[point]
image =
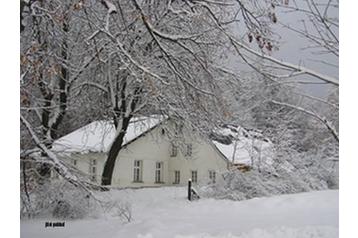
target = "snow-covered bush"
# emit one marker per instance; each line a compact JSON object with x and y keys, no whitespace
{"x":57,"y":199}
{"x":300,"y":174}
{"x":116,"y":208}
{"x":60,"y":199}
{"x":72,"y":204}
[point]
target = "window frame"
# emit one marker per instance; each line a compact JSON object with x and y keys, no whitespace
{"x":176,"y":178}
{"x":173,"y":150}
{"x":158,"y":174}
{"x":93,"y":170}
{"x":196,"y":176}
{"x":138,"y":171}
{"x":179,"y":128}
{"x":212,"y":176}
{"x":189,"y":150}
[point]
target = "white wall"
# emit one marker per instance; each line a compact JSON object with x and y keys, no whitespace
{"x":83,"y":162}
{"x":154,"y":147}
{"x":204,"y":158}
{"x":150,"y":148}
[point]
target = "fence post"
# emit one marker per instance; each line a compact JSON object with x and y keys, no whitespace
{"x":189,"y":189}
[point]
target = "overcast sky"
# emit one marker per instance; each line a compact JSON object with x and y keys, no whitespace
{"x":292,"y":50}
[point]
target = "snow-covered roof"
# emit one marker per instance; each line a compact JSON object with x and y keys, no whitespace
{"x":237,"y":144}
{"x":241,"y":146}
{"x":99,"y":135}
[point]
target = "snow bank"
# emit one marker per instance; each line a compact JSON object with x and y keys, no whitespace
{"x":280,"y":232}
{"x":165,"y":213}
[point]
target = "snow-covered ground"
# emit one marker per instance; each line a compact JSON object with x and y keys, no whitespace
{"x":165,"y":213}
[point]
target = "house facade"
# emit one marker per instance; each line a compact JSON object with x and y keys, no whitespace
{"x":152,"y":155}
{"x":149,"y":156}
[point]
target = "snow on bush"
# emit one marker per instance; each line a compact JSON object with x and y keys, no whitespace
{"x":117,"y":208}
{"x":60,"y":199}
{"x":57,"y":199}
{"x":299,"y":174}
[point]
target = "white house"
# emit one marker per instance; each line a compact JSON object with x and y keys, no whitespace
{"x":149,"y":156}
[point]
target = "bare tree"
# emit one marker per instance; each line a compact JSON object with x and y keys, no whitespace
{"x":53,"y":58}
{"x":159,"y":60}
{"x":318,"y":25}
{"x":157,"y":57}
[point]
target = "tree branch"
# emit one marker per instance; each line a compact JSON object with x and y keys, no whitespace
{"x":322,"y":119}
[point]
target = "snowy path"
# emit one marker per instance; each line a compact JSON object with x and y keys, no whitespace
{"x":165,"y":213}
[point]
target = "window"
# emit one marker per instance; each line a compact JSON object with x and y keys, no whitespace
{"x":176,"y":177}
{"x":212,"y":176}
{"x":173,"y":150}
{"x":189,"y":150}
{"x":92,"y":169}
{"x":194,"y":176}
{"x":137,"y":173}
{"x":159,"y":172}
{"x":179,"y":128}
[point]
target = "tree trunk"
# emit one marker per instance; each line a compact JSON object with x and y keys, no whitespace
{"x":22,"y":7}
{"x":113,"y":153}
{"x":50,"y":126}
{"x":118,"y":141}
